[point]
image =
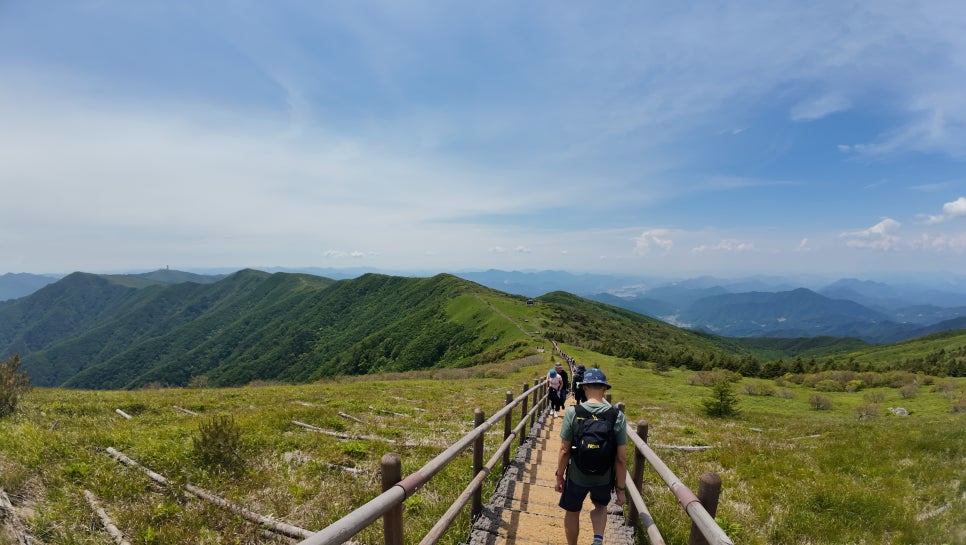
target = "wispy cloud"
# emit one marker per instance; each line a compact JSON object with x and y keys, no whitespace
{"x":729,"y":245}
{"x":954,"y":243}
{"x":819,"y":107}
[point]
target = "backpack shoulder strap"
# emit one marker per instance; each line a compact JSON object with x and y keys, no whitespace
{"x":580,"y":414}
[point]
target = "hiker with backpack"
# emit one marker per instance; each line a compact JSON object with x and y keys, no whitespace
{"x":559,"y":368}
{"x":555,"y":387}
{"x":579,"y":396}
{"x":592,"y":458}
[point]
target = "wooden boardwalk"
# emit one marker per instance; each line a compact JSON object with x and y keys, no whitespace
{"x":524,"y":509}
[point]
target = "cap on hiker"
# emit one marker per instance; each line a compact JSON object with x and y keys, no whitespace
{"x":558,"y":365}
{"x":581,"y":367}
{"x":553,"y":374}
{"x":594,"y":376}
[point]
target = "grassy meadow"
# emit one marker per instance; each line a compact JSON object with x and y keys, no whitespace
{"x":791,"y":474}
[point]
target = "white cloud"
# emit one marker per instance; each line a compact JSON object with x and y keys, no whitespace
{"x":878,"y":236}
{"x":803,"y":246}
{"x":653,"y":239}
{"x":497,"y":250}
{"x":726,"y":245}
{"x":523,"y":250}
{"x":819,"y":107}
{"x":955,"y":243}
{"x":951,"y":210}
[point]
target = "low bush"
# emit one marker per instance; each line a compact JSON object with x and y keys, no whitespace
{"x":909,"y":391}
{"x":874,"y":397}
{"x":218,"y":443}
{"x":868,"y":411}
{"x":758,"y":389}
{"x":828,"y":385}
{"x":820,"y":402}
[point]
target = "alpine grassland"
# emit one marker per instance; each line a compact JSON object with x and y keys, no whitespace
{"x":850,"y":471}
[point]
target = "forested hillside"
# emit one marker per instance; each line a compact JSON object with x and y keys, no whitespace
{"x":110,"y":332}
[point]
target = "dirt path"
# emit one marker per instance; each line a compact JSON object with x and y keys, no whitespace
{"x":504,"y":315}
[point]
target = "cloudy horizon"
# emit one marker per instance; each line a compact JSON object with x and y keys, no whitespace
{"x":643,"y":139}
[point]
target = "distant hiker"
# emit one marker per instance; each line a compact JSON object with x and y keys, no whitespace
{"x":592,"y":458}
{"x":578,"y":391}
{"x":559,"y":368}
{"x":555,"y":385}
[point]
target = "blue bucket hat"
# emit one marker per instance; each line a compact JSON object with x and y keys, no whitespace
{"x":553,"y":374}
{"x":595,"y":376}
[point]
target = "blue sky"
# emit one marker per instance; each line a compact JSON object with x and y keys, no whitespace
{"x":651,"y":138}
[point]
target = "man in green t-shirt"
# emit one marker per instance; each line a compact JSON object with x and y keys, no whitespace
{"x":573,"y":483}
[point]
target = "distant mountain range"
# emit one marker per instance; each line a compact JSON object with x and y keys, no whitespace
{"x":755,"y":306}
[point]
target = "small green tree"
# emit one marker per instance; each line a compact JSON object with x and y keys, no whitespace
{"x":723,"y":401}
{"x":14,"y":383}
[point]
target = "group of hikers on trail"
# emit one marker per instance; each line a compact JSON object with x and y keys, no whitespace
{"x":593,"y":448}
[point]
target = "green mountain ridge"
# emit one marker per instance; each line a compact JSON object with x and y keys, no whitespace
{"x":114,"y":331}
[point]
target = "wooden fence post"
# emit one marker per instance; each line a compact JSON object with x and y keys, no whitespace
{"x":537,"y":394}
{"x":507,"y":429}
{"x":709,"y":489}
{"x":478,"y":462}
{"x":637,"y":477}
{"x":523,"y":416}
{"x":392,"y":521}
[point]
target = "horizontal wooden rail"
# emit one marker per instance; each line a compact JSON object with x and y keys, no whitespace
{"x":444,"y":523}
{"x":654,"y":536}
{"x":702,"y":520}
{"x":353,"y":523}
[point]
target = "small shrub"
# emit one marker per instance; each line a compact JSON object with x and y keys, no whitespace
{"x":77,"y":471}
{"x":14,"y":383}
{"x":355,"y":450}
{"x":828,"y":385}
{"x":874,"y":397}
{"x":785,"y":393}
{"x":959,"y":406}
{"x":820,"y":402}
{"x":868,"y":411}
{"x":945,"y":386}
{"x":689,"y":430}
{"x":218,"y":443}
{"x":854,"y":385}
{"x":909,"y":391}
{"x":723,"y":401}
{"x":758,"y":389}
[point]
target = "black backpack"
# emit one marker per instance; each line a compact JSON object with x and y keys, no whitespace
{"x":595,"y":444}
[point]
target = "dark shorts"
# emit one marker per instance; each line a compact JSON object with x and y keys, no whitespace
{"x":572,"y":498}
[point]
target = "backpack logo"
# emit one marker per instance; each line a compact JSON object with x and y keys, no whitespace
{"x":595,"y":443}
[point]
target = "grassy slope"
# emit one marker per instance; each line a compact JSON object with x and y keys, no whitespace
{"x":805,"y":476}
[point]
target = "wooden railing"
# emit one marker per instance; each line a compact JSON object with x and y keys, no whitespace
{"x":388,"y":505}
{"x":700,"y":507}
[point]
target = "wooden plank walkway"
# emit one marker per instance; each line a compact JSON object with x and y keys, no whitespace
{"x":524,"y":510}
